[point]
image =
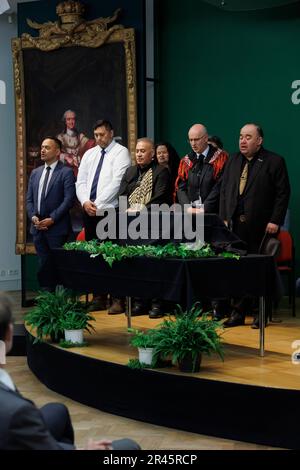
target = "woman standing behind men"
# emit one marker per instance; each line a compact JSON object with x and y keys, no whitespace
{"x":200,"y":172}
{"x":166,"y":156}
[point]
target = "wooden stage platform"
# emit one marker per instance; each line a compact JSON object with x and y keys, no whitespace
{"x":246,"y":397}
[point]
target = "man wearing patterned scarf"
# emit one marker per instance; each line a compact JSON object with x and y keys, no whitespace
{"x":144,"y":184}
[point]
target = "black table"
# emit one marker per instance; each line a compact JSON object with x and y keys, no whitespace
{"x":181,"y":281}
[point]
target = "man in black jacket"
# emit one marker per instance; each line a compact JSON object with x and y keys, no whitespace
{"x":200,"y":172}
{"x":254,"y":197}
{"x":199,"y":183}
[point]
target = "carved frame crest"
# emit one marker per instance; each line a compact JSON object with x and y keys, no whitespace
{"x":69,"y":30}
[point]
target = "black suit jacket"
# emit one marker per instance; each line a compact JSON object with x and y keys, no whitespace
{"x":162,"y":190}
{"x":201,"y":184}
{"x":22,"y":426}
{"x":267,"y":192}
{"x":60,"y":198}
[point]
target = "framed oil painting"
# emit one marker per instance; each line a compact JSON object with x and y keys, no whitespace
{"x":66,"y":78}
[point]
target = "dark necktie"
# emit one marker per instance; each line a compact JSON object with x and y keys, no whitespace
{"x":93,"y":194}
{"x":43,"y":195}
{"x":244,"y":178}
{"x":199,"y":164}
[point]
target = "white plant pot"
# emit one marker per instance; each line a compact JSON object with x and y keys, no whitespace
{"x":146,"y":355}
{"x":74,"y":336}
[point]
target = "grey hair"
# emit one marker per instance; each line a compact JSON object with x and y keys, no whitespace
{"x":65,"y":114}
{"x":146,"y":139}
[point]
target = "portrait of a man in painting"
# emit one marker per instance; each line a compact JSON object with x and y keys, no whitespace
{"x":74,"y":73}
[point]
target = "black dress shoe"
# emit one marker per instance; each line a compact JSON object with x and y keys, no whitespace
{"x":99,"y":303}
{"x":255,"y":323}
{"x":138,"y":309}
{"x":235,"y":319}
{"x":156,"y":312}
{"x":117,"y":306}
{"x":217,"y":316}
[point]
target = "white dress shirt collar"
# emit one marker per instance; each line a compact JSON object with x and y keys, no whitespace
{"x":52,"y":166}
{"x":205,"y":152}
{"x":109,"y":147}
{"x":6,"y":380}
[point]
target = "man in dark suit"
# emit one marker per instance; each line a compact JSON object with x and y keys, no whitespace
{"x":198,"y":184}
{"x":50,"y":196}
{"x":200,"y":172}
{"x":254,"y":197}
{"x":25,"y":427}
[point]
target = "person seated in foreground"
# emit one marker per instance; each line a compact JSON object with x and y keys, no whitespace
{"x":25,"y":427}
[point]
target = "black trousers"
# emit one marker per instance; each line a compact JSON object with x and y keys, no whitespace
{"x":58,"y":422}
{"x":44,"y":243}
{"x":249,"y":305}
{"x":246,"y":233}
{"x":90,"y":226}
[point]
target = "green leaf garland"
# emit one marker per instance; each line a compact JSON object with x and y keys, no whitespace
{"x":112,"y":252}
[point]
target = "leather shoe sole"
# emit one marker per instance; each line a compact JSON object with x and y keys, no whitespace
{"x":231,"y":322}
{"x":153,"y":314}
{"x":138,"y":310}
{"x":97,"y":306}
{"x":115,"y":312}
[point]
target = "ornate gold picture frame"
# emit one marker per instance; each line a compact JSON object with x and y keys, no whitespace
{"x":95,"y":45}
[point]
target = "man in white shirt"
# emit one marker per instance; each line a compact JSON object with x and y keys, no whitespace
{"x":98,"y":182}
{"x":100,"y":174}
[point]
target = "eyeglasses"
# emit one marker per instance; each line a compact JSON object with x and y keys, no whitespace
{"x":197,"y":139}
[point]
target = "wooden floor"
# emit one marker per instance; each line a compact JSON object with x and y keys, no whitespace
{"x":242,"y":364}
{"x":91,"y":423}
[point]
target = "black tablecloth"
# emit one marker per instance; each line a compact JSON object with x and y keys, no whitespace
{"x":181,"y":281}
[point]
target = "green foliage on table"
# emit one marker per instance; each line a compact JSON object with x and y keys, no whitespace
{"x":188,"y":334}
{"x":112,"y":252}
{"x":227,"y":254}
{"x":53,"y":310}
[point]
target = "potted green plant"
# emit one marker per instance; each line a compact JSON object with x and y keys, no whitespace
{"x":145,"y":341}
{"x":74,"y":322}
{"x":49,"y":311}
{"x":187,"y":336}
